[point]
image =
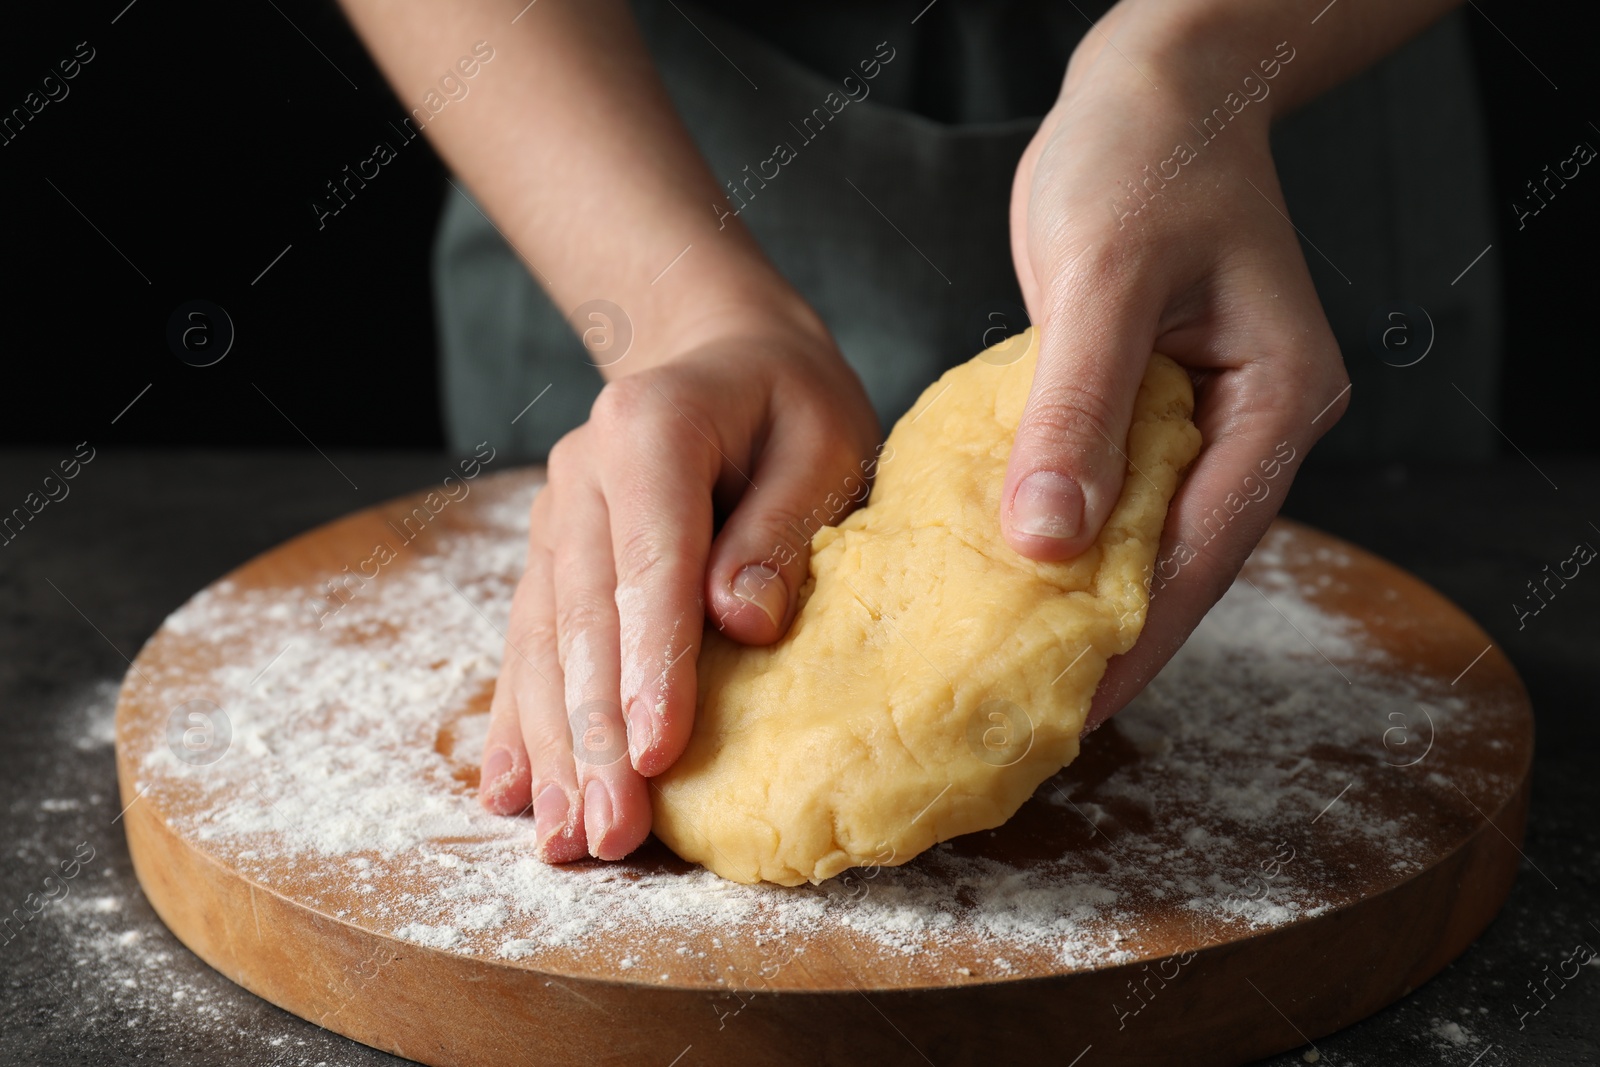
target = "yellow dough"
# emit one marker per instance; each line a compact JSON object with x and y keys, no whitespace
{"x":933,"y":676}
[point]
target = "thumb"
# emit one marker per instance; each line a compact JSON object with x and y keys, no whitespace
{"x":1069,"y":458}
{"x":760,"y":559}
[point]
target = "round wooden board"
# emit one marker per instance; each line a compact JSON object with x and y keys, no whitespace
{"x":1193,"y":900}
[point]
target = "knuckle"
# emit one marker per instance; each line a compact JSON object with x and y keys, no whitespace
{"x":1096,"y":273}
{"x":578,"y":615}
{"x":1071,"y":415}
{"x":635,"y":408}
{"x":622,"y":402}
{"x":643,"y":554}
{"x":1110,"y":260}
{"x":536,"y":636}
{"x":563,"y":457}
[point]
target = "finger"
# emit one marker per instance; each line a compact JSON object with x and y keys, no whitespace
{"x":616,"y":809}
{"x":1069,"y":459}
{"x":504,"y":784}
{"x":661,"y":525}
{"x":660,"y":512}
{"x":1257,"y":424}
{"x":543,"y":740}
{"x":759,"y":560}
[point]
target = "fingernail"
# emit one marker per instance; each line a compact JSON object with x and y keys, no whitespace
{"x":550,"y":809}
{"x":1047,"y":504}
{"x":760,"y":585}
{"x":496,"y":776}
{"x":641,"y":731}
{"x":596,"y":814}
{"x":496,"y":765}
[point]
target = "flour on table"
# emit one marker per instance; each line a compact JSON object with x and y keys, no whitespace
{"x":351,"y":743}
{"x":1450,"y":1034}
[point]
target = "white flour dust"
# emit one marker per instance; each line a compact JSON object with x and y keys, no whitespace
{"x":346,"y":776}
{"x":125,"y":984}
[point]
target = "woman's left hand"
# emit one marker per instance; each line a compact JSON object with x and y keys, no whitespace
{"x":1132,"y":232}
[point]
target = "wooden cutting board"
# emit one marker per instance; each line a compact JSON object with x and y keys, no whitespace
{"x":1318,"y":806}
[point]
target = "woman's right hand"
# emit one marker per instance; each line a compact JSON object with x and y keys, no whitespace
{"x":571,"y":144}
{"x":759,"y":419}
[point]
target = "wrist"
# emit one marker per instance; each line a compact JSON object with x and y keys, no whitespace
{"x":637,"y":303}
{"x":747,"y":308}
{"x":1236,"y":38}
{"x":720,"y":298}
{"x":1193,"y":56}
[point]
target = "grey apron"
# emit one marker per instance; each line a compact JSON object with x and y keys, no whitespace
{"x":893,"y":224}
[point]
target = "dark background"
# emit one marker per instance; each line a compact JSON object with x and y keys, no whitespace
{"x":197,"y":138}
{"x":195,"y":142}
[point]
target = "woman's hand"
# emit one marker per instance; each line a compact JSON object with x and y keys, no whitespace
{"x":571,"y":144}
{"x":758,"y":419}
{"x":1148,"y":219}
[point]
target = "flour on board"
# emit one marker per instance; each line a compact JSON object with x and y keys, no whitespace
{"x":346,"y":777}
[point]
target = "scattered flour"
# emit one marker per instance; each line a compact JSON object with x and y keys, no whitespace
{"x":432,"y":936}
{"x":349,"y":783}
{"x":99,"y":957}
{"x":115,"y":981}
{"x":1451,"y":1034}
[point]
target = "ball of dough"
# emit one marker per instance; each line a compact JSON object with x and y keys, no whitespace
{"x":933,"y":676}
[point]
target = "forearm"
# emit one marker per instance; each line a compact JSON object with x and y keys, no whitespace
{"x":1207,"y":46}
{"x":570,"y":143}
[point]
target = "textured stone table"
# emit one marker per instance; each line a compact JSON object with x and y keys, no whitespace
{"x":94,"y":978}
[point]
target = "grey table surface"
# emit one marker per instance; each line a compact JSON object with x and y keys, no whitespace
{"x":96,"y":979}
